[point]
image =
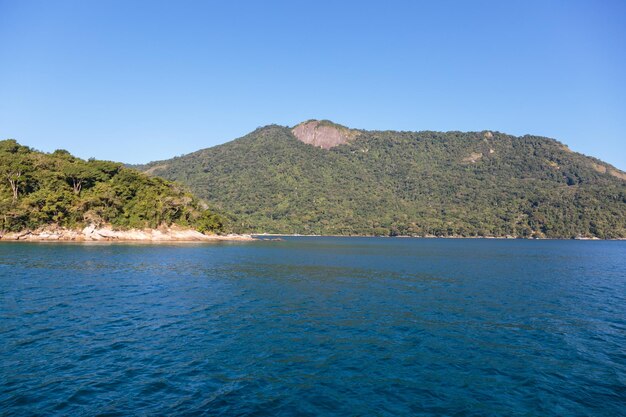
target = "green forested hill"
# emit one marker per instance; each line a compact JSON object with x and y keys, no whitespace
{"x":39,"y":189}
{"x":406,"y":183}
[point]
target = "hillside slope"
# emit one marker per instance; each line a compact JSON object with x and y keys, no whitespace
{"x":405,"y":183}
{"x":41,"y":190}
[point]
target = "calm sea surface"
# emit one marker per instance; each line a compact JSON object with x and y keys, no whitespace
{"x":314,"y":326}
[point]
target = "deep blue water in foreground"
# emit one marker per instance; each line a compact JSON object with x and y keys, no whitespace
{"x":314,"y":326}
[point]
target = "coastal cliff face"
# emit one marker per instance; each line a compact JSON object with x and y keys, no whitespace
{"x":108,"y":234}
{"x":323,"y":134}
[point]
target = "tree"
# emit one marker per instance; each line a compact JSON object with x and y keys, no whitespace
{"x":15,"y":174}
{"x":14,"y":165}
{"x":80,"y":174}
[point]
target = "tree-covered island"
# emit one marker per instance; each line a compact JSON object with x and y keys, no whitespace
{"x":57,"y":190}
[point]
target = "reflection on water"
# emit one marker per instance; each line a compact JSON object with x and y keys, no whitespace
{"x":314,"y":326}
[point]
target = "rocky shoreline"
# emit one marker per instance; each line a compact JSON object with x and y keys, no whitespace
{"x":108,"y":234}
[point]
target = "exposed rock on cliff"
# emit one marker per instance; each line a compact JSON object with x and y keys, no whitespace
{"x":323,"y":134}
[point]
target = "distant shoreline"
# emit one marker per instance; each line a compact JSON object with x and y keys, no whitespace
{"x":175,"y":234}
{"x":261,"y":235}
{"x":108,"y":234}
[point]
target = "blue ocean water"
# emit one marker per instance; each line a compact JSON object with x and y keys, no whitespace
{"x":314,"y":327}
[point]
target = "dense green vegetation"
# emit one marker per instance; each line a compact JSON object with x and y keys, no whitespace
{"x":38,"y":189}
{"x":407,"y":183}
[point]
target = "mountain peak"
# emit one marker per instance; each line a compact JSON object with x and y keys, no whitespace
{"x":323,"y":133}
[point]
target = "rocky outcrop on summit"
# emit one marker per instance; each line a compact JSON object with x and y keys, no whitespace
{"x":323,"y":134}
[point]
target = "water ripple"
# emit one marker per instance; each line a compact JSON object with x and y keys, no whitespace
{"x":314,"y":326}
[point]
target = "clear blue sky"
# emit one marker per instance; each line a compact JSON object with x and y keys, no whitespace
{"x":136,"y":81}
